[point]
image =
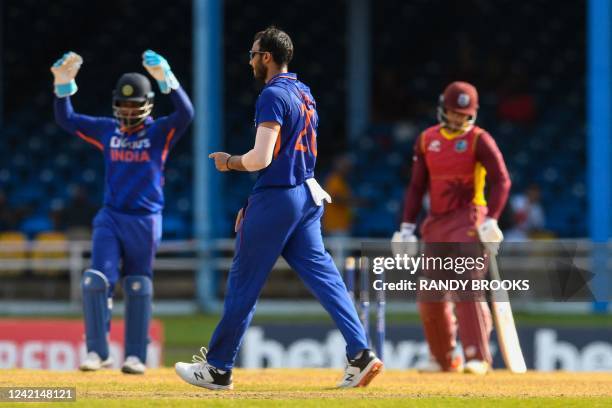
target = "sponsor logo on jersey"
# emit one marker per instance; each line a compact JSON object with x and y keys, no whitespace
{"x":125,"y":143}
{"x":130,"y":156}
{"x":125,"y":150}
{"x":434,"y":146}
{"x":461,"y":146}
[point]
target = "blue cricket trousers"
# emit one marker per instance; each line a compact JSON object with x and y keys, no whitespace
{"x":287,"y":222}
{"x":132,"y":239}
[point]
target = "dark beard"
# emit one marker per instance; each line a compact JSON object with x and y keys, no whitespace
{"x":261,"y":72}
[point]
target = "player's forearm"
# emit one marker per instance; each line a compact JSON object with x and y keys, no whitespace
{"x":498,"y":179}
{"x":498,"y":195}
{"x":235,"y":163}
{"x":260,"y":156}
{"x":250,"y":161}
{"x":413,"y":202}
{"x":64,"y":113}
{"x":413,"y":198}
{"x":183,"y":108}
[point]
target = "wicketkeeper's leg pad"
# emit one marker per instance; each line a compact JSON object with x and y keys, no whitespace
{"x":94,"y":286}
{"x":138,"y":290}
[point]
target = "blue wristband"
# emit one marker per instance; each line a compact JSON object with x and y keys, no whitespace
{"x":163,"y":87}
{"x":68,"y":89}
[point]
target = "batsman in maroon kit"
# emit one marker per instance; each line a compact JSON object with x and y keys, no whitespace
{"x":452,"y":162}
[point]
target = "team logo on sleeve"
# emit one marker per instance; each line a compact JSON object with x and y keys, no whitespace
{"x":434,"y":146}
{"x":461,"y":146}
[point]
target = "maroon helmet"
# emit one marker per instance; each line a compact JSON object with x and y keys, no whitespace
{"x":460,"y":97}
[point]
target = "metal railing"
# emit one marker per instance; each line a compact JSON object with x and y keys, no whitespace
{"x":69,"y":259}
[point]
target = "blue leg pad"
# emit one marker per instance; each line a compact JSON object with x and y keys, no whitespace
{"x":94,"y":286}
{"x":138,"y":291}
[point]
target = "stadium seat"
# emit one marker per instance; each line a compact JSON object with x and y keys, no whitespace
{"x":13,"y":253}
{"x":50,"y":254}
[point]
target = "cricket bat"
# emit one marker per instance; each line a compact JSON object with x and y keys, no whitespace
{"x":504,"y":326}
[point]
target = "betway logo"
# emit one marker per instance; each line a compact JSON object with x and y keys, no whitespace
{"x":124,"y":143}
{"x":549,"y":352}
{"x":259,"y":352}
{"x":552,"y":354}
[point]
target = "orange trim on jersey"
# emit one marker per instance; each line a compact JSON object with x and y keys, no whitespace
{"x":132,"y":130}
{"x":277,"y":144}
{"x":167,"y":145}
{"x":90,"y":140}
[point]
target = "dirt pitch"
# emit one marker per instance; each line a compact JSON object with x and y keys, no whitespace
{"x":314,"y":387}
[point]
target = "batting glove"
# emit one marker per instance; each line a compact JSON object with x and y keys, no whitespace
{"x":404,"y":241}
{"x":64,"y":71}
{"x":490,"y":235}
{"x":159,"y":69}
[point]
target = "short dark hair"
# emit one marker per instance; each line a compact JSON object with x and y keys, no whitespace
{"x":276,"y":42}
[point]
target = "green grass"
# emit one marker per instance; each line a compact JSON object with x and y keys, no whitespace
{"x":368,"y":403}
{"x":314,"y":388}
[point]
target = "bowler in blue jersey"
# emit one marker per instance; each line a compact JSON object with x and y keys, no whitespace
{"x":282,"y":218}
{"x":127,"y":230}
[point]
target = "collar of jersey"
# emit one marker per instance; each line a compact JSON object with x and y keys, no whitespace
{"x":282,"y":75}
{"x":450,"y":135}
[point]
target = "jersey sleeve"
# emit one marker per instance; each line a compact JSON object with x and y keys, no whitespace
{"x":271,"y":107}
{"x":177,"y":122}
{"x":498,"y":180}
{"x":413,"y":197}
{"x":89,"y":128}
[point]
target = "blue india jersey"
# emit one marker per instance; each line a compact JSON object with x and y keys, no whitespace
{"x":288,"y":102}
{"x":134,"y":161}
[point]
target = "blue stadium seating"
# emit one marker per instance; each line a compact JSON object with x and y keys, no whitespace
{"x":40,"y":162}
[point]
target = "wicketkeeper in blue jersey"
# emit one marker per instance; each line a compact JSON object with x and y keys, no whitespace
{"x":282,"y":217}
{"x":127,"y":230}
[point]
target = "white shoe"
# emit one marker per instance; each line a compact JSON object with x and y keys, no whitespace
{"x":133,"y":365}
{"x":432,"y":366}
{"x":202,"y":374}
{"x":360,"y":371}
{"x":477,"y":367}
{"x":93,"y":362}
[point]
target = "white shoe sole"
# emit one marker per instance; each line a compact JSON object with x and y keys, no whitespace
{"x":130,"y":370}
{"x":105,"y":364}
{"x":368,"y":374}
{"x":209,"y":386}
{"x":476,"y":371}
